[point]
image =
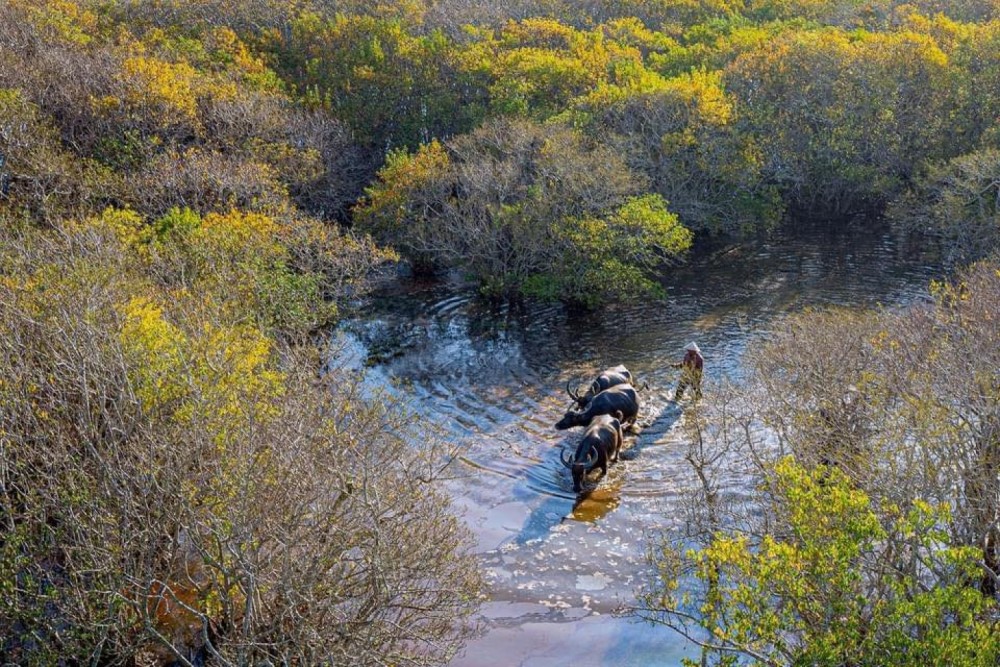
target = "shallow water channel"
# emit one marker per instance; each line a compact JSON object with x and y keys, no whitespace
{"x":494,"y":377}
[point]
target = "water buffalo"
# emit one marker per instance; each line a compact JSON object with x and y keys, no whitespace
{"x":600,"y":445}
{"x":608,"y":378}
{"x":620,"y":398}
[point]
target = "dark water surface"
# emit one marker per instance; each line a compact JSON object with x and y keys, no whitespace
{"x":560,"y":564}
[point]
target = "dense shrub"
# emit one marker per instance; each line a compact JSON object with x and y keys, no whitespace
{"x":684,"y":134}
{"x":39,"y":179}
{"x":957,"y":203}
{"x":204,"y":181}
{"x":843,"y":121}
{"x":525,"y":208}
{"x":159,"y":117}
{"x":177,"y":485}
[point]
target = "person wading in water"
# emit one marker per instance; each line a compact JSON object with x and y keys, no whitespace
{"x":691,"y":371}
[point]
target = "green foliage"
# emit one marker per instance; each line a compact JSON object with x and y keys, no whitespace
{"x":828,"y":107}
{"x":956,"y":202}
{"x":139,"y":115}
{"x":537,"y":66}
{"x":60,"y":19}
{"x":803,"y":592}
{"x":844,"y":118}
{"x":281,"y":274}
{"x":525,"y":209}
{"x":176,"y":221}
{"x":165,"y":168}
{"x":400,"y":203}
{"x":649,"y":230}
{"x":610,"y":259}
{"x":395,"y":88}
{"x":682,"y":133}
{"x":877,"y":543}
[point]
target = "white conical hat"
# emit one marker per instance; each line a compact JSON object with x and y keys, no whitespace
{"x":692,"y":347}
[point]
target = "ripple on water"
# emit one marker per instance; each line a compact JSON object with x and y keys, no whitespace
{"x":494,"y":378}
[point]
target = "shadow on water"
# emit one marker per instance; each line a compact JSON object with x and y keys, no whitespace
{"x":545,"y":488}
{"x":550,"y":480}
{"x":659,"y":419}
{"x":539,"y":522}
{"x":601,"y":496}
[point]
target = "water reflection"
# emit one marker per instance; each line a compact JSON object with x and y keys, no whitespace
{"x":594,"y":504}
{"x":495,"y":376}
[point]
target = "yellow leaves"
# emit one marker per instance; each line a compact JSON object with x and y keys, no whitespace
{"x":883,"y":341}
{"x":167,"y":93}
{"x":880,"y":340}
{"x":632,"y":79}
{"x":812,"y":584}
{"x":19,"y":283}
{"x":538,"y":66}
{"x":225,"y":257}
{"x":239,"y":233}
{"x":695,"y":101}
{"x":704,"y":90}
{"x":156,"y":351}
{"x":217,"y":376}
{"x":632,"y":31}
{"x":923,"y":519}
{"x":907,"y":47}
{"x":826,"y":492}
{"x":127,"y":226}
{"x":403,"y":175}
{"x":225,"y":42}
{"x":530,"y":78}
{"x":364,"y":73}
{"x":236,"y":381}
{"x":545,"y":33}
{"x":732,"y":551}
{"x":428,"y":161}
{"x":68,"y":20}
{"x":250,"y":266}
{"x":165,"y":87}
{"x":648,"y":221}
{"x":105,"y":104}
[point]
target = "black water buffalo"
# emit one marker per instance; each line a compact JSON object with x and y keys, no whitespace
{"x":608,"y":378}
{"x":600,"y":445}
{"x":620,"y":398}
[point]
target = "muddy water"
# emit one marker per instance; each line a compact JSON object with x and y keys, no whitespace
{"x":559,"y":564}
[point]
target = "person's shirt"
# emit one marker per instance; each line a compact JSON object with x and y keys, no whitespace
{"x":693,"y":360}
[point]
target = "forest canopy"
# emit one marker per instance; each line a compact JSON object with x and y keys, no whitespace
{"x":734,"y":114}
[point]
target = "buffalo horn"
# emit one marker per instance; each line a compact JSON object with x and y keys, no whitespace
{"x":591,"y":457}
{"x":568,"y":462}
{"x":576,"y":396}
